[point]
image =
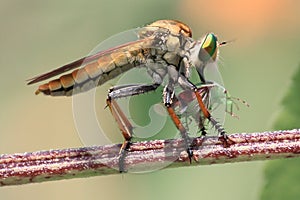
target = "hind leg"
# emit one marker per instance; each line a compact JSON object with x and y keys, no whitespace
{"x":122,"y":121}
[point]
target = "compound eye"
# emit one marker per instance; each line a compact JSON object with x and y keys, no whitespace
{"x":209,"y":48}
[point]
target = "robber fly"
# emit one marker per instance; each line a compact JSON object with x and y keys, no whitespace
{"x":166,"y":49}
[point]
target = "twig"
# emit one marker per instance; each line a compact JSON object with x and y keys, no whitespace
{"x":43,"y":166}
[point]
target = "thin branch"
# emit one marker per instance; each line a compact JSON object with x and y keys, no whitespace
{"x":43,"y":166}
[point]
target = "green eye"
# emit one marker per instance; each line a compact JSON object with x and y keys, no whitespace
{"x":209,"y":48}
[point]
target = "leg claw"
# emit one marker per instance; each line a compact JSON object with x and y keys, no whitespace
{"x":226,"y":141}
{"x":190,"y":154}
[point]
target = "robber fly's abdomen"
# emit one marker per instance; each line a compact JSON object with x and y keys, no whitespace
{"x":95,"y":73}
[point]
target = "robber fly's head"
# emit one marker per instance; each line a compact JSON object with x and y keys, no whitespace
{"x":205,"y":50}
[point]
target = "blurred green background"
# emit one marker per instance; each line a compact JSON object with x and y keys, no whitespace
{"x":282,"y":176}
{"x":37,"y":36}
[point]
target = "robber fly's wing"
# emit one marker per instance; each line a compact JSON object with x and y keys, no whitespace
{"x":85,"y":60}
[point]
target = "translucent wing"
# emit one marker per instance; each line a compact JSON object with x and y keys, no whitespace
{"x":80,"y":62}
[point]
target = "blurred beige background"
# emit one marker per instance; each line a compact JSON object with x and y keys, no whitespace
{"x":37,"y":36}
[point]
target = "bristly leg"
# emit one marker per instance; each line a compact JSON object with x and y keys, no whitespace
{"x":168,"y":96}
{"x":226,"y":141}
{"x":122,"y":121}
{"x":203,"y":131}
{"x":186,"y":84}
{"x":125,"y":127}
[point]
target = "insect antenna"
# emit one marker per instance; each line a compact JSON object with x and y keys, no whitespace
{"x":226,"y":42}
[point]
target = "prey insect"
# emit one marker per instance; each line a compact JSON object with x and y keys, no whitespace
{"x":168,"y":52}
{"x":213,"y":96}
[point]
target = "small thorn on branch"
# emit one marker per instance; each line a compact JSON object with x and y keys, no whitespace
{"x":23,"y":168}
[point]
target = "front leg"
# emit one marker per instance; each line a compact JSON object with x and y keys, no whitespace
{"x":186,"y":84}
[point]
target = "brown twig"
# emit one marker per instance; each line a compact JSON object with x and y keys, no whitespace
{"x":43,"y":166}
